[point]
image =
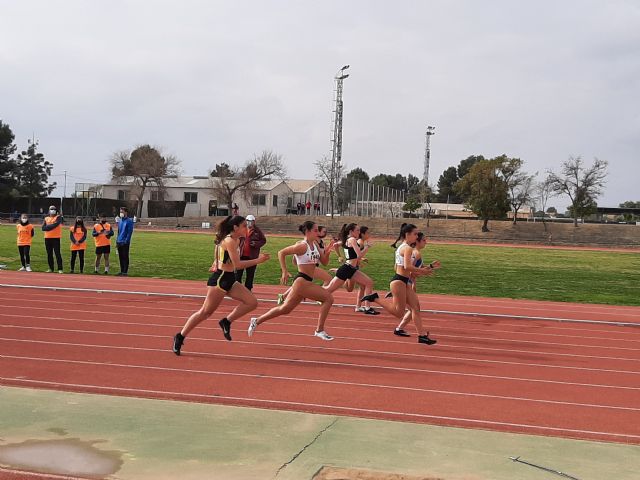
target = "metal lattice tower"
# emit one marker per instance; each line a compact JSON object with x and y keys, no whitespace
{"x":336,"y":140}
{"x":427,"y":153}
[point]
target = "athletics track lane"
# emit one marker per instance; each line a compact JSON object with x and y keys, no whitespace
{"x":549,"y":378}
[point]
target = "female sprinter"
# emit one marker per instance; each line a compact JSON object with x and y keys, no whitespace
{"x":349,"y":235}
{"x":307,"y":256}
{"x":421,"y":242}
{"x":223,"y":280}
{"x":318,"y":273}
{"x":403,"y":296}
{"x":363,"y":243}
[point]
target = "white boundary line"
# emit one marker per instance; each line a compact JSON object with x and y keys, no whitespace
{"x":443,"y":312}
{"x":276,"y":403}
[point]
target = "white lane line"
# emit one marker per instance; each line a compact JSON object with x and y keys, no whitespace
{"x":355,"y":339}
{"x":441,"y":312}
{"x":324,"y":382}
{"x":369,"y":411}
{"x":321,"y":350}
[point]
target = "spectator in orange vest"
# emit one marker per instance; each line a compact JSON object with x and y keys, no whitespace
{"x":52,"y":228}
{"x":25,"y":234}
{"x":102,"y":233}
{"x":78,"y":237}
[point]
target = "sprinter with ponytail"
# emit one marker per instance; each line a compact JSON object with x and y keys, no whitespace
{"x":223,"y":280}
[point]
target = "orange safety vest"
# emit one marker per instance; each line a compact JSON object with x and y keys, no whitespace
{"x":56,"y":232}
{"x":24,"y":234}
{"x":78,"y":234}
{"x":102,"y":240}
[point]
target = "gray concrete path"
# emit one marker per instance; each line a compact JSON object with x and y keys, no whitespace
{"x":102,"y":436}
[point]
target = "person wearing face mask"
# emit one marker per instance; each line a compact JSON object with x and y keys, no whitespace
{"x":25,"y":234}
{"x":123,"y":241}
{"x":102,"y":233}
{"x":250,"y":250}
{"x":78,"y":237}
{"x":52,"y":228}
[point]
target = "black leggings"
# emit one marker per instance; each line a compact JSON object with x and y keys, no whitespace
{"x":25,"y":257}
{"x":123,"y":256}
{"x":79,"y":253}
{"x":53,"y":246}
{"x":251,"y":273}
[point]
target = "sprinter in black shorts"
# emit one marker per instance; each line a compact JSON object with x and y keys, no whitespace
{"x":223,"y":280}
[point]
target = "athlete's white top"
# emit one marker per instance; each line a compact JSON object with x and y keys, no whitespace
{"x":400,"y":255}
{"x":310,"y":256}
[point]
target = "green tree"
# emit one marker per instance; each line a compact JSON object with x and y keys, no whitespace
{"x":519,"y":184}
{"x":581,"y":184}
{"x":144,"y":167}
{"x":8,"y":165}
{"x":358,"y":174}
{"x":446,"y":182}
{"x":222,"y":170}
{"x":33,"y":173}
{"x":485,"y":190}
{"x":465,"y":165}
{"x":412,"y":204}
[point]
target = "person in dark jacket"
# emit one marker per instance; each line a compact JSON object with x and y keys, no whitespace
{"x":250,"y":250}
{"x":123,"y":241}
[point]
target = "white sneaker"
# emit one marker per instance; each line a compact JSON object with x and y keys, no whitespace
{"x":22,"y":269}
{"x":253,"y":324}
{"x":60,"y":271}
{"x":280,"y":299}
{"x":361,"y":309}
{"x":323,"y":335}
{"x":29,"y":268}
{"x":49,"y":271}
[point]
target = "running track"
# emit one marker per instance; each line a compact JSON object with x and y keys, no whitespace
{"x":500,"y":364}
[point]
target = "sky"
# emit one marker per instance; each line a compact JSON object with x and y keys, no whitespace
{"x":220,"y":81}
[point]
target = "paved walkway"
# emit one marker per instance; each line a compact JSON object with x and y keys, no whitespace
{"x":128,"y":438}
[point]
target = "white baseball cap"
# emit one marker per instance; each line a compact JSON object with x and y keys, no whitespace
{"x":251,"y":218}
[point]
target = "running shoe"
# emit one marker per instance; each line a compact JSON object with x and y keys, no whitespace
{"x":371,"y":311}
{"x":253,"y":324}
{"x":49,"y":271}
{"x":60,"y":271}
{"x":178,"y":340}
{"x":225,"y":325}
{"x":400,"y":332}
{"x":29,"y":268}
{"x":389,"y":295}
{"x":22,"y":269}
{"x":425,"y":339}
{"x":323,"y":335}
{"x":361,"y":309}
{"x":370,"y":298}
{"x":280,"y":299}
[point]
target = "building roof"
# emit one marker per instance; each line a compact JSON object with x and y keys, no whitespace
{"x":187,"y":182}
{"x":302,"y":186}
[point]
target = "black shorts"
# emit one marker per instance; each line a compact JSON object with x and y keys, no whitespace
{"x":221,"y":279}
{"x":346,"y":271}
{"x":303,"y":275}
{"x":103,"y":249}
{"x":402,"y":278}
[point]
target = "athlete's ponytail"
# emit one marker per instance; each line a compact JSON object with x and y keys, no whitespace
{"x":225,"y":227}
{"x":306,"y":226}
{"x":345,"y":231}
{"x":405,"y":228}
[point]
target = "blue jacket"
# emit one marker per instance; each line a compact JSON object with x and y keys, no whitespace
{"x":125,"y":230}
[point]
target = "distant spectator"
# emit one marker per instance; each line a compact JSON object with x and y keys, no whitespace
{"x":52,"y":228}
{"x":308,"y":205}
{"x":78,"y":238}
{"x":25,"y":234}
{"x":102,"y":233}
{"x":125,"y":231}
{"x":299,"y":208}
{"x":236,"y":210}
{"x":250,"y":250}
{"x":316,"y":208}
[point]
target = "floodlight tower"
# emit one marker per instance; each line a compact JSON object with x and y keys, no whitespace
{"x":427,"y":153}
{"x":336,"y":139}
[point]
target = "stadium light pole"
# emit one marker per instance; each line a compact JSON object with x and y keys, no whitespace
{"x":336,"y":140}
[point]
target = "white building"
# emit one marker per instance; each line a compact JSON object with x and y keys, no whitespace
{"x":272,"y":197}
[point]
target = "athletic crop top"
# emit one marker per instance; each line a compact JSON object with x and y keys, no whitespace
{"x":400,"y":256}
{"x":350,"y":253}
{"x":222,"y":252}
{"x":311,"y":256}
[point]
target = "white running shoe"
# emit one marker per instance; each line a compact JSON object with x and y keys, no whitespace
{"x":49,"y":271}
{"x":60,"y":271}
{"x":323,"y":335}
{"x":280,"y":299}
{"x":22,"y":269}
{"x":29,"y":268}
{"x":253,"y":324}
{"x":361,"y":309}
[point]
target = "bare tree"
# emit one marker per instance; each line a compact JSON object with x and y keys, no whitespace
{"x":543,"y":192}
{"x":581,"y":184}
{"x":245,"y":180}
{"x":519,"y":183}
{"x":145,"y":166}
{"x":332,"y":175}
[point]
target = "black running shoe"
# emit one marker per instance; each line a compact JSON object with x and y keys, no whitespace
{"x":389,"y":295}
{"x":225,"y":325}
{"x":178,"y":340}
{"x":426,"y":339}
{"x":400,"y":332}
{"x":371,"y":311}
{"x":370,"y":298}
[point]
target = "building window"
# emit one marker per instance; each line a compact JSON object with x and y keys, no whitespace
{"x":191,"y":197}
{"x":259,"y":199}
{"x":156,"y":195}
{"x":123,"y":195}
{"x":275,"y":200}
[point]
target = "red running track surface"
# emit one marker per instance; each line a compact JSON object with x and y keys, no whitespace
{"x":506,"y":373}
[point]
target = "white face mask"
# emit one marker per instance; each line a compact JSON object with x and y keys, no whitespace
{"x":24,"y":219}
{"x":52,"y":212}
{"x":121,"y":215}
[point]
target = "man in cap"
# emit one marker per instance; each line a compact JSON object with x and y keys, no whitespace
{"x":251,"y":249}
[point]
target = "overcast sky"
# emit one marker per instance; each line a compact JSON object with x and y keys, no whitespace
{"x":214,"y":81}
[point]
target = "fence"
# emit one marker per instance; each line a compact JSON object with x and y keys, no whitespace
{"x":364,"y":199}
